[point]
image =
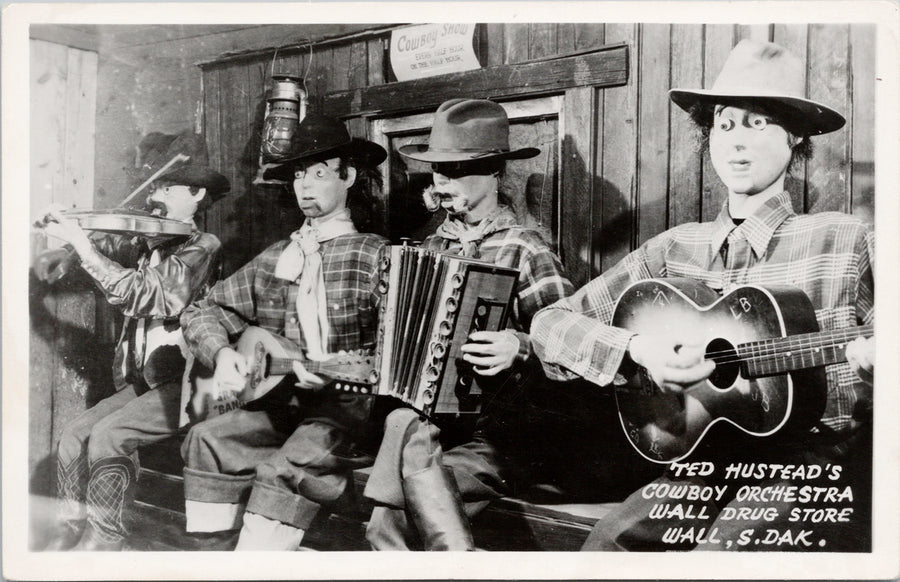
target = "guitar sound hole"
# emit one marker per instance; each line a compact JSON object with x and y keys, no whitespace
{"x":727,"y":364}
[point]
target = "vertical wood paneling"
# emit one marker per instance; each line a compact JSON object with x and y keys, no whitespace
{"x":81,"y":98}
{"x":212,"y":112}
{"x":862,"y":121}
{"x":653,"y":128}
{"x":685,"y":158}
{"x":543,"y":40}
{"x":578,"y":178}
{"x":830,"y":83}
{"x":359,"y":65}
{"x":516,"y":40}
{"x":340,"y":68}
{"x":565,"y":38}
{"x":619,"y":163}
{"x":794,"y":37}
{"x":588,"y":36}
{"x":375,"y":56}
{"x":494,"y":44}
{"x":719,"y":40}
{"x":757,"y":32}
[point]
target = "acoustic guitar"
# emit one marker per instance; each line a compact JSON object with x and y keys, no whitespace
{"x":270,"y":358}
{"x":769,"y":356}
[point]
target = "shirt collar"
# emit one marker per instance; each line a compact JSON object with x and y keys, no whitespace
{"x":758,"y":228}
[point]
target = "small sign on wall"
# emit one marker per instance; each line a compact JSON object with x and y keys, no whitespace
{"x":427,"y":50}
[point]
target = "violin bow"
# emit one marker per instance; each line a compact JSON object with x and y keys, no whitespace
{"x":174,"y":160}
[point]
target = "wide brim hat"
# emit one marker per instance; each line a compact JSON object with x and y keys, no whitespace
{"x":200,"y":176}
{"x":764,"y":73}
{"x":466,"y":130}
{"x":320,"y":136}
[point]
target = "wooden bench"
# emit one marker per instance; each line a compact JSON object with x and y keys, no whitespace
{"x":158,"y":524}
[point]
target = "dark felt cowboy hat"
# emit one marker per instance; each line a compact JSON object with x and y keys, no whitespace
{"x":321,"y":136}
{"x":465,"y":130}
{"x":764,"y":73}
{"x":200,"y":176}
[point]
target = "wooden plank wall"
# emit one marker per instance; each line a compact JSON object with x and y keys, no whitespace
{"x":70,"y":342}
{"x":647,"y":172}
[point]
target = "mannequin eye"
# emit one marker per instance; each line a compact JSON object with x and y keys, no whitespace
{"x":320,"y":173}
{"x":724,"y":124}
{"x":298,"y":174}
{"x":758,"y":122}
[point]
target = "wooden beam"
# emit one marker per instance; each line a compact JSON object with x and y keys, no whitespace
{"x":606,"y":67}
{"x":66,"y":35}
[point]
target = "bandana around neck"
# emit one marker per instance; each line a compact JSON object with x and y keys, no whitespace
{"x":469,"y":235}
{"x":302,"y":260}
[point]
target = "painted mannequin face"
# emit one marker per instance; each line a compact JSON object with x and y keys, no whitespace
{"x":176,"y":201}
{"x":750,"y":152}
{"x":464,"y":194}
{"x":320,"y":190}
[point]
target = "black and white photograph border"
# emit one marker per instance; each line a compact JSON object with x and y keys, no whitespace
{"x":26,"y":460}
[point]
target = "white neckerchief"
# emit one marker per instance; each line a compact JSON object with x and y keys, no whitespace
{"x":301,"y":261}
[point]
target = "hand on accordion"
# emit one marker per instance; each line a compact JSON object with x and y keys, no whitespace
{"x":491,"y":352}
{"x":305,"y":379}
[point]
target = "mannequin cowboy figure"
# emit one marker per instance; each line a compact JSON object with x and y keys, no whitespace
{"x":425,"y":497}
{"x":150,"y":281}
{"x":758,"y":123}
{"x":265,"y":470}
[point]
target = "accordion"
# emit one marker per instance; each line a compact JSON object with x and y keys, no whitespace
{"x":431,"y":302}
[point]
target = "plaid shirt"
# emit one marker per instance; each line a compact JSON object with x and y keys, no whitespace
{"x":254,"y":296}
{"x":827,"y":255}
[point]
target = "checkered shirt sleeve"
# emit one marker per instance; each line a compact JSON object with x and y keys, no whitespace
{"x":826,"y":255}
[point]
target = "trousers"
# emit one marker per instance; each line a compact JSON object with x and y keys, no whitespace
{"x":276,"y":462}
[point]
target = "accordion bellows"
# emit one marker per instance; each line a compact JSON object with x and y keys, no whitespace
{"x":431,"y":302}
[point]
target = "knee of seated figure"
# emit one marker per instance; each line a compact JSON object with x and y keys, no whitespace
{"x":401,"y":418}
{"x":105,"y":441}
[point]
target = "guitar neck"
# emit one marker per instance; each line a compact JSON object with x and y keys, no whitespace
{"x":282,"y":366}
{"x":798,"y":352}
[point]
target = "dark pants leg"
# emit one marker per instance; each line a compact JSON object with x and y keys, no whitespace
{"x":411,"y":474}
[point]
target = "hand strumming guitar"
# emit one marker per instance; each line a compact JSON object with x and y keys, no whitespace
{"x":672,"y":365}
{"x":230,"y":375}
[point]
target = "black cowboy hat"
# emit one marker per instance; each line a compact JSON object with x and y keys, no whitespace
{"x":320,"y":136}
{"x":764,"y":73}
{"x":200,"y":176}
{"x":466,"y":130}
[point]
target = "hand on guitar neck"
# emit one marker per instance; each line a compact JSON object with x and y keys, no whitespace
{"x":671,"y":364}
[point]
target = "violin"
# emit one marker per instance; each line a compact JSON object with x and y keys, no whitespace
{"x":131,"y":221}
{"x":128,"y":221}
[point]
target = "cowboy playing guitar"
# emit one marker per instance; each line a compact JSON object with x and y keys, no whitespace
{"x":731,"y":319}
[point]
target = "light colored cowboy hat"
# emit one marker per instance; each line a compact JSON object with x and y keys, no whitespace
{"x":321,"y":136}
{"x":764,"y":72}
{"x":466,"y":130}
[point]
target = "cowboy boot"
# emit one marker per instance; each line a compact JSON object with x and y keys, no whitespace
{"x":109,"y":491}
{"x":71,"y":482}
{"x":436,"y":509}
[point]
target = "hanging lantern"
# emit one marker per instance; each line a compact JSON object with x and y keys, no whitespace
{"x":285,"y":109}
